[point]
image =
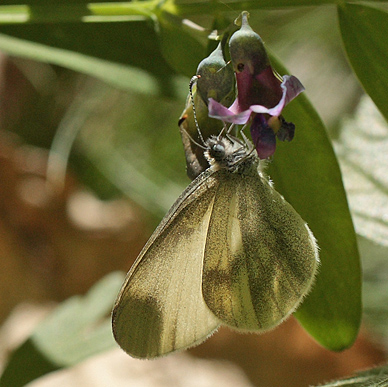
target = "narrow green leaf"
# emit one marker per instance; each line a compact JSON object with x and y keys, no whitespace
{"x":306,"y":172}
{"x":81,"y":11}
{"x":126,"y":55}
{"x":16,"y":11}
{"x":76,"y":330}
{"x":364,"y":32}
{"x":214,"y":7}
{"x":40,"y":2}
{"x":181,"y":50}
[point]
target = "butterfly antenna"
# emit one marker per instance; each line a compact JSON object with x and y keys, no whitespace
{"x":192,"y":81}
{"x":192,"y":140}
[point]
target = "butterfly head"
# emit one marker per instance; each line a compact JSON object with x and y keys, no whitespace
{"x":225,"y":152}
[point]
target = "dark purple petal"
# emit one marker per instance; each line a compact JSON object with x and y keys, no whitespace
{"x":263,"y":137}
{"x":286,"y":131}
{"x":257,"y":89}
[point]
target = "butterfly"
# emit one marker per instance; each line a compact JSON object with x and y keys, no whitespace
{"x":230,"y":251}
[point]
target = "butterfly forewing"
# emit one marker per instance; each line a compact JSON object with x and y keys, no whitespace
{"x":160,"y":308}
{"x":260,"y":257}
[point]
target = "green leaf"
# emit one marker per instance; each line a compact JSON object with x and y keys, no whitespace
{"x":214,"y":7}
{"x":181,"y":50}
{"x":29,"y":359}
{"x":54,"y":12}
{"x":306,"y":172}
{"x":364,"y":32}
{"x":76,"y":330}
{"x":126,"y":55}
{"x":376,"y":377}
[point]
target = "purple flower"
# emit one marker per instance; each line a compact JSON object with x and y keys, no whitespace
{"x":242,"y":107}
{"x":261,"y":95}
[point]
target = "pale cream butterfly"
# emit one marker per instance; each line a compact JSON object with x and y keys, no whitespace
{"x":230,"y":251}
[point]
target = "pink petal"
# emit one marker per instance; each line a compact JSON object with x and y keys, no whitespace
{"x":291,"y":87}
{"x":216,"y":110}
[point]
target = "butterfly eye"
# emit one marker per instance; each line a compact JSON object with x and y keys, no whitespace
{"x":218,"y":151}
{"x":240,"y":67}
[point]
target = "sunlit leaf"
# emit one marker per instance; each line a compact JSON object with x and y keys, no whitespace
{"x":364,"y":32}
{"x":306,"y":172}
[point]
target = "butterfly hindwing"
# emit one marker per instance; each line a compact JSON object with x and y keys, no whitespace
{"x":160,"y":308}
{"x":260,"y":256}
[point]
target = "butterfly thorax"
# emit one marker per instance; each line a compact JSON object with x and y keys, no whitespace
{"x":227,"y":153}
